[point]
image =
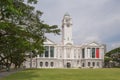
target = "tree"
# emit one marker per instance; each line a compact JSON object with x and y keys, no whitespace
{"x":19,"y":24}
{"x":107,"y":61}
{"x":114,"y":55}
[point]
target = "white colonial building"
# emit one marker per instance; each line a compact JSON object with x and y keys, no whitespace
{"x":68,"y":55}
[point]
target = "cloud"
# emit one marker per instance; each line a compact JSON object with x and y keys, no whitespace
{"x":97,"y":20}
{"x":115,"y":45}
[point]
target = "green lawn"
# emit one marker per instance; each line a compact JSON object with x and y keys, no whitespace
{"x":66,"y":74}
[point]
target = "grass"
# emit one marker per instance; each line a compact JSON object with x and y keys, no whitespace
{"x":66,"y":74}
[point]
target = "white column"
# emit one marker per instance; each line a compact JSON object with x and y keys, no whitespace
{"x":102,"y":53}
{"x":96,"y":64}
{"x":58,"y":55}
{"x":74,"y":56}
{"x":81,"y":54}
{"x":55,"y":51}
{"x":95,"y":52}
{"x":65,"y":55}
{"x":89,"y":53}
{"x":43,"y":54}
{"x":76,"y":53}
{"x":48,"y":51}
{"x":69,"y":52}
{"x":72,"y":52}
{"x":62,"y":51}
{"x":59,"y":52}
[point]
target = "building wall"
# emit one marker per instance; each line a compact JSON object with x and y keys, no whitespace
{"x":70,"y":56}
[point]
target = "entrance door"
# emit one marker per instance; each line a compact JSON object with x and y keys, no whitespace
{"x":68,"y":65}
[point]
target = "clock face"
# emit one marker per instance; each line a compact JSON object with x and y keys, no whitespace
{"x":68,"y":24}
{"x":67,"y":20}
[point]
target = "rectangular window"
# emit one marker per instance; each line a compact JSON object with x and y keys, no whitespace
{"x":46,"y":51}
{"x":51,"y":51}
{"x":97,"y":53}
{"x":83,"y":65}
{"x":93,"y":52}
{"x":41,"y":55}
{"x":83,"y":53}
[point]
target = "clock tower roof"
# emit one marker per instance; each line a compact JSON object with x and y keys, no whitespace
{"x":67,"y":14}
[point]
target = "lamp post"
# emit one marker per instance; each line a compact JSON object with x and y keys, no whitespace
{"x":36,"y":61}
{"x":31,"y":41}
{"x":111,"y":62}
{"x":30,"y":59}
{"x":36,"y":51}
{"x":33,"y":53}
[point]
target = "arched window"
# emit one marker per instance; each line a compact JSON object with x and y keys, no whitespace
{"x":51,"y":64}
{"x":83,"y":65}
{"x":41,"y":64}
{"x":93,"y":64}
{"x":46,"y":64}
{"x":68,"y":65}
{"x":88,"y":63}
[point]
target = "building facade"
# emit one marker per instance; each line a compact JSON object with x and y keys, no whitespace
{"x":68,"y":55}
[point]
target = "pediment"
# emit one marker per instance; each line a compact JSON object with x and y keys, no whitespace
{"x":93,"y":44}
{"x":69,"y":44}
{"x":48,"y":41}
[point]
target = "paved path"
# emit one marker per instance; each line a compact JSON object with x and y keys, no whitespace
{"x":6,"y":73}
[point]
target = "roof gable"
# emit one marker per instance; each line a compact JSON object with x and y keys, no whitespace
{"x":48,"y":41}
{"x":93,"y":44}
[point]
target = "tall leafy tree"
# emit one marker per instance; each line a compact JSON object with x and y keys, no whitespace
{"x":21,"y":30}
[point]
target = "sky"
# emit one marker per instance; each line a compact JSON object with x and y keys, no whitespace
{"x":93,"y":20}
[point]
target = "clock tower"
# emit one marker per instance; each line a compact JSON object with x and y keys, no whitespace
{"x":67,"y":30}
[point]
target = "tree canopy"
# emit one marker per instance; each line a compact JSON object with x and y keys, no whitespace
{"x":21,"y":30}
{"x":113,"y":51}
{"x":113,"y":56}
